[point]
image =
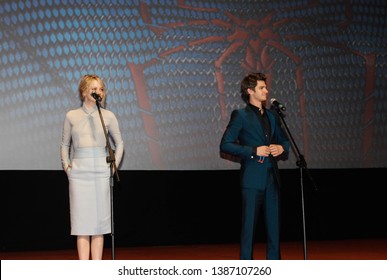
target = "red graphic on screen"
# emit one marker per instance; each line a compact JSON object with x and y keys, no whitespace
{"x":259,"y":38}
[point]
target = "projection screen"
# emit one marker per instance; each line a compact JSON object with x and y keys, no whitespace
{"x":173,"y":70}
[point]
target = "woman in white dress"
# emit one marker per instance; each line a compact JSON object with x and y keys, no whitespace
{"x":84,"y":159}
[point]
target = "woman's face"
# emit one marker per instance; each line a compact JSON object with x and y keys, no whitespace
{"x":97,"y":87}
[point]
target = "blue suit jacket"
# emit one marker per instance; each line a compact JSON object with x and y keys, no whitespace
{"x":244,"y":132}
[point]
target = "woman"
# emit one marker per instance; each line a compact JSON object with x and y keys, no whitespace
{"x":84,"y":159}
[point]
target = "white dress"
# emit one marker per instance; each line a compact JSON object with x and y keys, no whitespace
{"x":84,"y":147}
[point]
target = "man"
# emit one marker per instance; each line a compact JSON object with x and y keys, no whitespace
{"x":254,"y":135}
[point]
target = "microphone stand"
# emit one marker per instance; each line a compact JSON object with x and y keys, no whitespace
{"x":301,"y":163}
{"x":113,"y":170}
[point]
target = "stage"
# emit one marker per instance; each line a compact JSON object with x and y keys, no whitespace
{"x":353,"y":249}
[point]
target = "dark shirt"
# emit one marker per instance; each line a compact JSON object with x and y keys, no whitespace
{"x":264,"y":120}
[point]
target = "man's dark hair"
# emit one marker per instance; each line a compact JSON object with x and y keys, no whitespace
{"x":250,"y":82}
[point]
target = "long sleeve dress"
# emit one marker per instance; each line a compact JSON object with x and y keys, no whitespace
{"x":84,"y":148}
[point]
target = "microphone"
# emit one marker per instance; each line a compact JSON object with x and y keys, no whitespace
{"x":275,"y":103}
{"x":96,"y":96}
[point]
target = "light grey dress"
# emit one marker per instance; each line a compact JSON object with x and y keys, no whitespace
{"x":84,"y":147}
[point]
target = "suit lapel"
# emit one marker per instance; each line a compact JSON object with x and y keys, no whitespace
{"x":272,"y":122}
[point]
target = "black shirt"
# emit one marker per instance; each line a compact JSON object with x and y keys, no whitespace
{"x":264,"y":120}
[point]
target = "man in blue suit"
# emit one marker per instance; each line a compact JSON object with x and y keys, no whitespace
{"x":254,"y":135}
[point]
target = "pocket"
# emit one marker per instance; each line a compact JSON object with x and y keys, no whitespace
{"x":68,"y":170}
